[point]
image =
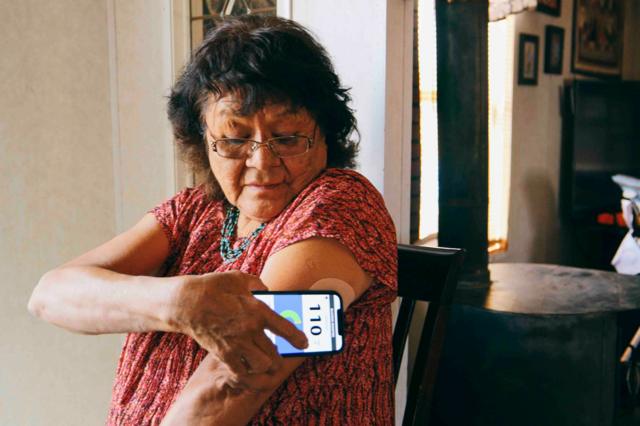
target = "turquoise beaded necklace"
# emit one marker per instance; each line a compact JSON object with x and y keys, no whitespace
{"x":228,"y":253}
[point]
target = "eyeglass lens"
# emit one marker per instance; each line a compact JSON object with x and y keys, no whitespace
{"x":286,"y":146}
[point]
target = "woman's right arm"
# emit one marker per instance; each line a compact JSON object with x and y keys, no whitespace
{"x":111,"y":289}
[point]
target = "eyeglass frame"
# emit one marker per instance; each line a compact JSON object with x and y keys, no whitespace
{"x":255,"y":144}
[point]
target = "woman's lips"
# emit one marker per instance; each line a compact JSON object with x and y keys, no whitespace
{"x":264,"y":186}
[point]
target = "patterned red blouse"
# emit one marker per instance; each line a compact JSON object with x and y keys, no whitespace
{"x":354,"y":387}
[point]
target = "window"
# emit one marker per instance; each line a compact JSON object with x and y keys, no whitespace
{"x":205,"y":13}
{"x":500,"y":92}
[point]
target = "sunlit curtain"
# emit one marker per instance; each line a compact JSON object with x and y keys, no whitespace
{"x":428,"y":120}
{"x":501,"y":48}
{"x":499,"y":9}
{"x":501,"y":42}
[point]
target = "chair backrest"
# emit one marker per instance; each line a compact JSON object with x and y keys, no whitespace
{"x":428,"y":274}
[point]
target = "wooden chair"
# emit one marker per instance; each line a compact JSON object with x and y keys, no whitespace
{"x":427,"y":274}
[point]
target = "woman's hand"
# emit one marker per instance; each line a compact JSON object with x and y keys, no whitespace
{"x":209,"y":399}
{"x":219,"y":311}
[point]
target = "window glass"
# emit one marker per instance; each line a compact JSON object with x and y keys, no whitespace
{"x":205,"y":14}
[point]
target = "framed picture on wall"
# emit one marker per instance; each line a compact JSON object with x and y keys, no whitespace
{"x":598,"y":34}
{"x":528,"y":59}
{"x":553,"y":49}
{"x":550,"y":7}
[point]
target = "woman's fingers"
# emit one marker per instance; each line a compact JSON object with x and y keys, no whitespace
{"x":244,"y":356}
{"x":256,"y":284}
{"x":222,"y":375}
{"x":250,"y":382}
{"x":254,"y":360}
{"x":283,"y":327}
{"x":265,"y":345}
{"x":236,"y":363}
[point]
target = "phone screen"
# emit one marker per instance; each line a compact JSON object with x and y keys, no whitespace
{"x":317,"y":313}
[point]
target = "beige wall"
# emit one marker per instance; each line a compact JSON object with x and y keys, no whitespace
{"x":143,"y":77}
{"x":85,"y":150}
{"x":57,"y":201}
{"x":534,"y":233}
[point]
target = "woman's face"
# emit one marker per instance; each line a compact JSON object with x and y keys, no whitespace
{"x":262,"y":184}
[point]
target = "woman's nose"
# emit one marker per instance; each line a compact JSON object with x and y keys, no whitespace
{"x":262,"y":157}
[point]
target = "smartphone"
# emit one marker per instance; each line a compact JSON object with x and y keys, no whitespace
{"x":318,"y":314}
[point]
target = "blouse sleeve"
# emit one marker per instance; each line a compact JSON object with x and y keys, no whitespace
{"x":176,"y":217}
{"x":344,"y":206}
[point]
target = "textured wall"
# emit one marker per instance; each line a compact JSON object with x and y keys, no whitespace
{"x":345,"y":43}
{"x":56,"y":201}
{"x":535,"y":152}
{"x":143,"y":77}
{"x":534,"y":231}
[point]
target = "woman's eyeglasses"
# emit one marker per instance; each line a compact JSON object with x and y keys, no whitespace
{"x":282,"y":146}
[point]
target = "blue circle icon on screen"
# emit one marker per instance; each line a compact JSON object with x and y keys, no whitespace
{"x":291,"y":316}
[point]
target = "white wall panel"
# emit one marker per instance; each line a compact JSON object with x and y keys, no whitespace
{"x":56,"y":201}
{"x":370,"y":44}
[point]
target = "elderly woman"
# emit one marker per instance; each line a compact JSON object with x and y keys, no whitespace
{"x":261,"y":116}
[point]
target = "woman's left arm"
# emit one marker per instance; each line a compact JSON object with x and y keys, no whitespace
{"x":208,"y":398}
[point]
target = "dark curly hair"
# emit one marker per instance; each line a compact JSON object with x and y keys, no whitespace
{"x":261,"y":60}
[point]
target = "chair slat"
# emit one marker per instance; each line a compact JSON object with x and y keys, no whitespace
{"x":400,"y":333}
{"x":429,"y":274}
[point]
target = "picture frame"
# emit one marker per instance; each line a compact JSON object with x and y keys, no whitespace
{"x":597,"y":39}
{"x":553,"y":49}
{"x":528,"y":48}
{"x":550,"y":7}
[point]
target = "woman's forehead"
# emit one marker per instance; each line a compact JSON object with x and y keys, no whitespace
{"x":230,"y":108}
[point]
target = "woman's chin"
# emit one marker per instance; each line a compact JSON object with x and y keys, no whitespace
{"x":263,"y":204}
{"x":262,"y":213}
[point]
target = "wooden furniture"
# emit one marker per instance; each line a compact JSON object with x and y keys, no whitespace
{"x":539,"y":345}
{"x":600,"y":134}
{"x":427,"y":274}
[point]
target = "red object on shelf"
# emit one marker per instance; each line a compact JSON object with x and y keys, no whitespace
{"x":605,"y":219}
{"x":611,"y":219}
